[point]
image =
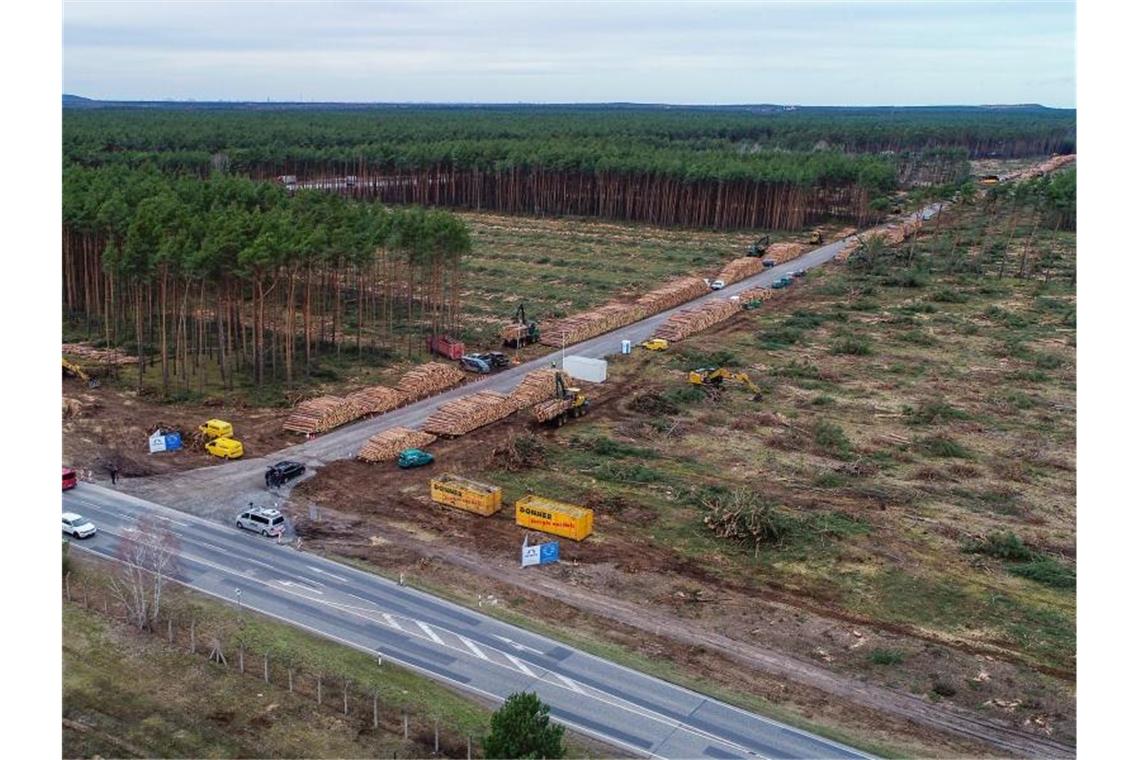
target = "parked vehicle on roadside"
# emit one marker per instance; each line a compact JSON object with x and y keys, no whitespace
{"x":283,"y":472}
{"x":216,"y":429}
{"x":77,"y":526}
{"x":267,"y":522}
{"x":225,"y":448}
{"x":410,"y":458}
{"x":70,"y":479}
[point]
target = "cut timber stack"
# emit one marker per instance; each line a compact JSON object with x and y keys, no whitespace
{"x":756,"y":294}
{"x":536,"y":386}
{"x":548,"y":410}
{"x":321,"y":414}
{"x":685,"y":323}
{"x":739,"y":269}
{"x":428,"y":379}
{"x":579,"y":327}
{"x":672,"y":293}
{"x":781,"y":252}
{"x":377,"y":399}
{"x":86,"y":354}
{"x":386,"y":446}
{"x":467,"y":413}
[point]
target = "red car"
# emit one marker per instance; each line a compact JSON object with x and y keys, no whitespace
{"x":69,"y":478}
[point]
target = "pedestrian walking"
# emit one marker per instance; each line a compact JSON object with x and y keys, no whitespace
{"x":114,"y":474}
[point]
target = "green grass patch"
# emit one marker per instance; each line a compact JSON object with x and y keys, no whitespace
{"x":879,"y":656}
{"x":851,"y":347}
{"x":933,"y":413}
{"x":831,"y":438}
{"x":944,"y":447}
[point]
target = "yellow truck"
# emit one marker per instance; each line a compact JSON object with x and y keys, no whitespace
{"x":555,"y":517}
{"x":465,"y":494}
{"x":216,"y":429}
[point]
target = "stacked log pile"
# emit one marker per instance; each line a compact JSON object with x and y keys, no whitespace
{"x":86,"y":354}
{"x":739,"y":269}
{"x":386,"y":446}
{"x":536,"y":386}
{"x":377,"y":399}
{"x":1052,"y":165}
{"x":467,"y":413}
{"x":548,"y":410}
{"x":428,"y":379}
{"x":684,"y":323}
{"x":579,"y":327}
{"x":781,"y":252}
{"x":321,"y":414}
{"x":673,"y":293}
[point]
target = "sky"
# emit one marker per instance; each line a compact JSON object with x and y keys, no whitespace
{"x":803,"y":53}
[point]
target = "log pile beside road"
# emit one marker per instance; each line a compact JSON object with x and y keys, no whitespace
{"x":377,"y":399}
{"x":673,"y":293}
{"x":387,"y":445}
{"x":85,"y":354}
{"x":756,"y":294}
{"x":684,"y":323}
{"x":579,"y":327}
{"x":429,"y":379}
{"x":536,"y":386}
{"x":548,"y":410}
{"x":781,"y":252}
{"x":321,"y":414}
{"x":740,"y":269}
{"x":468,"y":413}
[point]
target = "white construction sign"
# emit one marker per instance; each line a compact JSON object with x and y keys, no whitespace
{"x":585,"y":368}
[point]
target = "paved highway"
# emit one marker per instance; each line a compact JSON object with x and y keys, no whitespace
{"x":638,"y":713}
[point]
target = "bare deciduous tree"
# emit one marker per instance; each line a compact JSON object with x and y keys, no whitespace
{"x":149,"y":555}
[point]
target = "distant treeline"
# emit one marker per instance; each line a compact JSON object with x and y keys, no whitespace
{"x":691,"y":167}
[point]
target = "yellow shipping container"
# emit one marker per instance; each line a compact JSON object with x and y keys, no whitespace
{"x":557,"y":517}
{"x":465,"y":494}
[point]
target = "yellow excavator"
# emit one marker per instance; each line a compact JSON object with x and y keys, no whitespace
{"x":816,"y":237}
{"x":72,"y":368}
{"x":715,"y":376}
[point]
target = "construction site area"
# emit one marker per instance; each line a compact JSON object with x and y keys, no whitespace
{"x":821,"y":469}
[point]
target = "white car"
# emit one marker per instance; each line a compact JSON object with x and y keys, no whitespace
{"x":717,"y":284}
{"x":77,"y":525}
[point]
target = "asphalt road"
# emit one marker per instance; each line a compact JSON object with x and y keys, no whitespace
{"x":471,"y":651}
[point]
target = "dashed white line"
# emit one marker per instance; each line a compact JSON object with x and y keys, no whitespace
{"x":431,"y":634}
{"x":520,"y":665}
{"x":471,"y":645}
{"x":326,"y":572}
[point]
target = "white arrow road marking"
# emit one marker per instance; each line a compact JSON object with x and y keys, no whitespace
{"x":516,"y":645}
{"x":570,"y":683}
{"x":471,"y":645}
{"x":431,"y":634}
{"x":520,"y":665}
{"x":391,"y":621}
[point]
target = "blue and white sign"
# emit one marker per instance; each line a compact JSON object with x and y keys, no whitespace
{"x":157,"y":442}
{"x":539,"y":554}
{"x":173,"y":441}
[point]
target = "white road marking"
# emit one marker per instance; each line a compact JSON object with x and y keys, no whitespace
{"x":471,"y":645}
{"x":300,"y":585}
{"x":391,"y":621}
{"x":520,"y":665}
{"x":431,"y":634}
{"x":516,"y":645}
{"x":326,"y":572}
{"x":574,"y":686}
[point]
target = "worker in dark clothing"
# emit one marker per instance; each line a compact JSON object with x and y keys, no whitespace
{"x":114,"y":474}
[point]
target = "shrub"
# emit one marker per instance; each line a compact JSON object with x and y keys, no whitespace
{"x":688,"y":394}
{"x":823,"y":401}
{"x":852,"y":347}
{"x":945,"y":447}
{"x":943,"y":688}
{"x":885,"y":656}
{"x":949,"y":295}
{"x":522,"y":728}
{"x":907,"y":278}
{"x":830,"y":479}
{"x":832,"y":439}
{"x":1047,"y":571}
{"x":779,"y":337}
{"x":1048,"y":361}
{"x":744,"y":517}
{"x":933,"y":413}
{"x":918,"y":338}
{"x":1006,"y":545}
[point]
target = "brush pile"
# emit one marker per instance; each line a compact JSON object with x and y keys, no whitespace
{"x":684,"y":323}
{"x":740,"y":269}
{"x":377,"y":399}
{"x":468,"y":413}
{"x":386,"y":446}
{"x":429,"y":379}
{"x":321,"y":414}
{"x":536,"y":386}
{"x":85,"y":354}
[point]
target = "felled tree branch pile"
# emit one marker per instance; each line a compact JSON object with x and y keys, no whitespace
{"x":387,"y":445}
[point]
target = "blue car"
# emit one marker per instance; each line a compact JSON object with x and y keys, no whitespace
{"x":410,"y":458}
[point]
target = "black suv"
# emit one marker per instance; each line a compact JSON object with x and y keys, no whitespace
{"x":283,"y":472}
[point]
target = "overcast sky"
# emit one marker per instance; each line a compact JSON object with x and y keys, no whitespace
{"x":807,"y":53}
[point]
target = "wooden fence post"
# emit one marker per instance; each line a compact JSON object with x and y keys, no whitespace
{"x":241,"y":657}
{"x":170,"y":630}
{"x":193,"y":640}
{"x":405,"y":726}
{"x":375,"y":710}
{"x":290,"y":679}
{"x":437,"y":736}
{"x":468,"y":746}
{"x":85,"y":604}
{"x":318,"y":689}
{"x":67,"y":585}
{"x":346,"y":697}
{"x":266,"y":667}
